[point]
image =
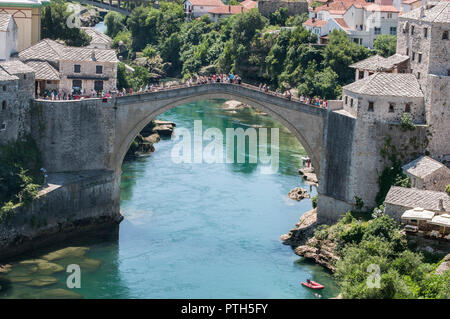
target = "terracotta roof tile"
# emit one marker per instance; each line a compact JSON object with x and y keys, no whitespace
{"x":342,"y":23}
{"x":207,"y":3}
{"x":249,"y":4}
{"x":228,"y":10}
{"x":315,"y":23}
{"x":381,"y":8}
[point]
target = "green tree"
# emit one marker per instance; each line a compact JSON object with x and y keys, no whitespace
{"x":340,"y":52}
{"x":114,"y":22}
{"x":54,"y":25}
{"x":385,"y":45}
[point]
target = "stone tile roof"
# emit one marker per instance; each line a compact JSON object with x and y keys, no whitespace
{"x":394,"y":60}
{"x":14,"y":67}
{"x":43,"y":70}
{"x":371,"y":63}
{"x":312,"y":22}
{"x":5,"y":76}
{"x":387,"y":84}
{"x":439,"y":13}
{"x":413,"y":197}
{"x":4,"y":21}
{"x":49,"y":50}
{"x":423,"y":166}
{"x":46,"y":49}
{"x":378,"y":63}
{"x":97,"y":36}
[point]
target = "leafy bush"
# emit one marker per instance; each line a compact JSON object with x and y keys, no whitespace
{"x":314,"y":201}
{"x":381,"y":257}
{"x":321,"y":232}
{"x":359,"y":203}
{"x":20,"y":175}
{"x":54,"y":25}
{"x":447,"y":189}
{"x":407,"y":123}
{"x":391,"y":176}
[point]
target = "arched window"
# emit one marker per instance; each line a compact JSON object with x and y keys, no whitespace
{"x":4,"y":88}
{"x":4,"y":105}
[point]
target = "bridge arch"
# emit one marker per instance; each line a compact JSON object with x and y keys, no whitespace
{"x":134,"y":112}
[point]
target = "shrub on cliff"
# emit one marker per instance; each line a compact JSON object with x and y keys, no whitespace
{"x":314,"y":200}
{"x":391,"y":176}
{"x":407,"y":123}
{"x":447,"y":189}
{"x":20,"y":175}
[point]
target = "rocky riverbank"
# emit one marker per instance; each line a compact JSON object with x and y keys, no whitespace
{"x":143,"y":143}
{"x":233,"y":107}
{"x":89,"y":15}
{"x":302,"y":240}
{"x":309,"y":175}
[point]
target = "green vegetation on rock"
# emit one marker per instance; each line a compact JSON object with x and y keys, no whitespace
{"x":20,"y":175}
{"x":375,"y":261}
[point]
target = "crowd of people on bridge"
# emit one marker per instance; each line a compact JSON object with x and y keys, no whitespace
{"x":231,"y":78}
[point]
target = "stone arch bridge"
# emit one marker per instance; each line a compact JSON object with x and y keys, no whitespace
{"x":92,"y":135}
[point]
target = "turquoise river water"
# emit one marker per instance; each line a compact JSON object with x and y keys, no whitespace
{"x":190,"y":230}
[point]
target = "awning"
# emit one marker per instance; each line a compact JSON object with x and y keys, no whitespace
{"x":86,"y":77}
{"x":441,"y":220}
{"x":418,"y":214}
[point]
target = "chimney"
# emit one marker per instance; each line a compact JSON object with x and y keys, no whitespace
{"x":441,"y":204}
{"x":93,"y":55}
{"x":422,"y":11}
{"x":229,"y":8}
{"x":313,"y":20}
{"x":242,"y":9}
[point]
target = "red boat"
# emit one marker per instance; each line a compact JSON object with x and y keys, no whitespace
{"x":312,"y":284}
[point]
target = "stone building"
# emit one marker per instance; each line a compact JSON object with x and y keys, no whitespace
{"x":8,"y":36}
{"x":198,"y":8}
{"x":361,"y":20}
{"x":376,"y":103}
{"x":396,"y":63}
{"x":424,"y":37}
{"x":16,"y":93}
{"x":385,"y":97}
{"x":71,"y":68}
{"x":27,"y":14}
{"x":427,"y":173}
{"x":99,"y":40}
{"x":400,"y":199}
